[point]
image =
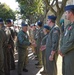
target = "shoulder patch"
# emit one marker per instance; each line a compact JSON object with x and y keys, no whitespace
{"x":55,"y":31}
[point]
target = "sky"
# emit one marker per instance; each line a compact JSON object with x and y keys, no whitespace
{"x":11,"y":3}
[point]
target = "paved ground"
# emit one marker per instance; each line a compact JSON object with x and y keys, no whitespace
{"x":31,"y":66}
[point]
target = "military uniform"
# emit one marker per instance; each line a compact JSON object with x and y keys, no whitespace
{"x":9,"y":49}
{"x":67,"y":49}
{"x":52,"y":43}
{"x":12,"y":61}
{"x":2,"y":50}
{"x":67,"y":46}
{"x":40,"y":36}
{"x":35,"y":38}
{"x":43,"y":43}
{"x":2,"y":40}
{"x":22,"y":44}
{"x":43,"y":52}
{"x":7,"y":52}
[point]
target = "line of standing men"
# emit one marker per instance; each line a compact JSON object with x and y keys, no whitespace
{"x":6,"y":48}
{"x":66,"y":47}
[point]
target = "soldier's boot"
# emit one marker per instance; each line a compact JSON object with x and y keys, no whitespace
{"x":39,"y":66}
{"x":43,"y":72}
{"x":25,"y":70}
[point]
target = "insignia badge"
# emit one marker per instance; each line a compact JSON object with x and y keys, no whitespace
{"x":26,"y":36}
{"x":70,"y":28}
{"x":55,"y":31}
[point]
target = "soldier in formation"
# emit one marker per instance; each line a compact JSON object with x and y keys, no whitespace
{"x":52,"y":44}
{"x":46,"y":30}
{"x":67,"y":43}
{"x":40,"y":36}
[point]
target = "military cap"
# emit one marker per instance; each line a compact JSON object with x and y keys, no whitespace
{"x":61,"y":21}
{"x":47,"y":27}
{"x":23,"y":24}
{"x":69,"y":7}
{"x":1,"y":20}
{"x":8,"y":20}
{"x":39,"y":23}
{"x":52,"y":17}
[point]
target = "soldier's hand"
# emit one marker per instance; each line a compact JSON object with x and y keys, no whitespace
{"x":52,"y":52}
{"x":33,"y":44}
{"x":59,"y":52}
{"x":51,"y":57}
{"x":9,"y":46}
{"x":43,"y":47}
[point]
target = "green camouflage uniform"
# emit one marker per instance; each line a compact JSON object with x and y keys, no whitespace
{"x":22,"y":44}
{"x":40,"y":36}
{"x":52,"y":43}
{"x":67,"y":49}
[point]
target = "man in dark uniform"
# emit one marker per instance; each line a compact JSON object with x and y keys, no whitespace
{"x":52,"y":43}
{"x":67,"y":43}
{"x":2,"y":43}
{"x":11,"y":43}
{"x":34,"y":39}
{"x":22,"y":44}
{"x":40,"y":36}
{"x":46,"y":31}
{"x":9,"y":54}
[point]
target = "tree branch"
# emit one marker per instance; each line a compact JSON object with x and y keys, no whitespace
{"x":50,"y":7}
{"x":57,"y":5}
{"x":63,"y":5}
{"x":52,"y":3}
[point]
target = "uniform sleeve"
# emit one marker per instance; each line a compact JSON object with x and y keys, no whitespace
{"x":22,"y":41}
{"x":68,"y":45}
{"x":61,"y":40}
{"x":55,"y":40}
{"x":42,"y":34}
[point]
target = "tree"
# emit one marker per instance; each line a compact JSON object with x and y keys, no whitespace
{"x":6,"y":12}
{"x":31,"y":9}
{"x":40,"y":8}
{"x":59,"y":8}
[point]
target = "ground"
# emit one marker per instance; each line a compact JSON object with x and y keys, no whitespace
{"x":31,"y":65}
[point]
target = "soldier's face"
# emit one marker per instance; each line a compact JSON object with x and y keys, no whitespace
{"x":68,"y":15}
{"x":45,"y":31}
{"x":25,"y":28}
{"x":9,"y":24}
{"x":48,"y":21}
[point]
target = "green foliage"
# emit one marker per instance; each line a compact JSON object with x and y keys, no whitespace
{"x":6,"y":12}
{"x":31,"y":7}
{"x":38,"y":9}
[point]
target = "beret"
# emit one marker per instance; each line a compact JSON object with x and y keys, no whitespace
{"x":61,"y":21}
{"x":52,"y":17}
{"x":39,"y":23}
{"x":69,"y":7}
{"x":47,"y":27}
{"x":23,"y":24}
{"x":8,"y":20}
